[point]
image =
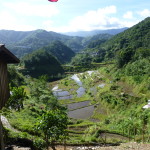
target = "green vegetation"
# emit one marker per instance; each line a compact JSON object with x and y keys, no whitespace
{"x":53,"y":125}
{"x":23,"y":113}
{"x":40,"y":63}
{"x":18,"y":95}
{"x":117,"y":90}
{"x":124,"y":47}
{"x":60,"y":51}
{"x":26,"y":42}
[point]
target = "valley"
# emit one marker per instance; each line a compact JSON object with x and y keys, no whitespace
{"x":79,"y":91}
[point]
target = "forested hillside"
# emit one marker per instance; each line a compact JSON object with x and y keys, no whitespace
{"x":35,"y":40}
{"x":130,"y":40}
{"x":10,"y":36}
{"x":128,"y":46}
{"x":60,"y":51}
{"x":24,"y":42}
{"x":40,"y":63}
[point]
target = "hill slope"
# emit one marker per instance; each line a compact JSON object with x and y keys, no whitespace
{"x":33,"y":41}
{"x":131,"y":39}
{"x":27,"y":41}
{"x":40,"y":62}
{"x":60,"y":51}
{"x":130,"y":45}
{"x":7,"y":36}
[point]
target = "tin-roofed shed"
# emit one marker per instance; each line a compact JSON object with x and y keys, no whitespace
{"x":6,"y":57}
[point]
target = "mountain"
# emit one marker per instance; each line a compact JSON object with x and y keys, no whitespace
{"x":130,"y":45}
{"x":27,"y":41}
{"x":11,"y":36}
{"x":40,"y":63}
{"x":94,"y":32}
{"x":129,"y":42}
{"x":60,"y":51}
{"x":24,"y":42}
{"x":34,"y":40}
{"x":94,"y":39}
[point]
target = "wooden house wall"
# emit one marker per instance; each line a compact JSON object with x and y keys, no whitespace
{"x":4,"y":87}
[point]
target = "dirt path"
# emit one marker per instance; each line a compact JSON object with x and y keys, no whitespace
{"x":124,"y":146}
{"x":21,"y":148}
{"x":128,"y":146}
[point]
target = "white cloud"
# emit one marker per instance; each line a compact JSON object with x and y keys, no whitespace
{"x":93,"y":19}
{"x":145,"y":13}
{"x":98,"y":19}
{"x":128,"y":15}
{"x":8,"y":21}
{"x":29,"y":9}
{"x":47,"y":23}
{"x":25,"y":16}
{"x":29,"y":15}
{"x":128,"y":23}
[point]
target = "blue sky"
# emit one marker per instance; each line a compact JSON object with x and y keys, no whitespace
{"x":71,"y":15}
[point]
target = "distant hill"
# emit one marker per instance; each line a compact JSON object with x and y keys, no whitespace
{"x":130,"y":45}
{"x":33,"y":41}
{"x":94,"y":39}
{"x":40,"y":63}
{"x":24,"y":42}
{"x":94,"y":32}
{"x":60,"y":51}
{"x":10,"y":36}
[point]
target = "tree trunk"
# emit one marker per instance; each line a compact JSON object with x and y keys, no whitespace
{"x":129,"y":134}
{"x":65,"y":144}
{"x":135,"y":131}
{"x":53,"y":145}
{"x":143,"y":132}
{"x":1,"y":136}
{"x":47,"y":143}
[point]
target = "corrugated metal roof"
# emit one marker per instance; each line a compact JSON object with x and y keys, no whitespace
{"x":7,"y":56}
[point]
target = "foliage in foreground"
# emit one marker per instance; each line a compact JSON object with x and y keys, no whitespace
{"x":53,"y":125}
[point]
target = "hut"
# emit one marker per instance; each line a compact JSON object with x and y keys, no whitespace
{"x":6,"y":57}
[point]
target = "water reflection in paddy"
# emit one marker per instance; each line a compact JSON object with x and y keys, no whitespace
{"x":83,"y":113}
{"x":77,"y":105}
{"x":80,"y":92}
{"x":76,"y":79}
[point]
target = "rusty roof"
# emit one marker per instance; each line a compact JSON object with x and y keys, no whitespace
{"x":7,"y":56}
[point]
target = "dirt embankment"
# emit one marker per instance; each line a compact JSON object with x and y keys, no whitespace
{"x":128,"y":146}
{"x":124,"y":146}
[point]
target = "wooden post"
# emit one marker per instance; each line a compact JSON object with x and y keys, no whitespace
{"x":65,"y":144}
{"x":2,"y":146}
{"x":143,"y":134}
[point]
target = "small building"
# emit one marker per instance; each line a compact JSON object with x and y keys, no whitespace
{"x":6,"y":57}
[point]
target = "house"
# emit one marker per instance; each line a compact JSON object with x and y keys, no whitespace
{"x":6,"y":57}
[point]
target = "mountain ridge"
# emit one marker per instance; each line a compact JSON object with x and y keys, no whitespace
{"x":24,"y":42}
{"x":94,"y":32}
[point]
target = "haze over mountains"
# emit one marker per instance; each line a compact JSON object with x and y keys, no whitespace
{"x":94,"y":32}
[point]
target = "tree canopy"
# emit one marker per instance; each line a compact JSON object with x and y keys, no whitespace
{"x":40,"y":62}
